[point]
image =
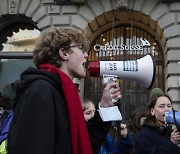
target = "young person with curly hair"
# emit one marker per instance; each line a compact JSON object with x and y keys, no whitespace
{"x":47,"y":113}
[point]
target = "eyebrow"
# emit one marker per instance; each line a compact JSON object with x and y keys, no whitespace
{"x":169,"y":103}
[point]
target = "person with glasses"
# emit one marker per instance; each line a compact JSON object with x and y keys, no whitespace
{"x":47,"y":111}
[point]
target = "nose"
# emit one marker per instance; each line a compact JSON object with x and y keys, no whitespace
{"x":92,"y":115}
{"x":85,"y":55}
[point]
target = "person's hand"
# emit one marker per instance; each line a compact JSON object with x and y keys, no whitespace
{"x":175,"y":136}
{"x":111,"y":90}
{"x":123,"y":130}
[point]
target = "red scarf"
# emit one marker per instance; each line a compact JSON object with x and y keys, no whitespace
{"x":79,"y":134}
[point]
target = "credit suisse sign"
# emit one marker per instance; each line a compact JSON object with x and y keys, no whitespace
{"x":122,"y":47}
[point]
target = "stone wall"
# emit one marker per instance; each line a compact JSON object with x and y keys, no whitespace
{"x":167,"y":15}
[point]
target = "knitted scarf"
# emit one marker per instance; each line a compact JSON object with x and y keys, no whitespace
{"x":79,"y":134}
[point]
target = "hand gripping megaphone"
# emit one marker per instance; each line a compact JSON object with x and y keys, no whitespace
{"x":141,"y":70}
{"x":172,"y":117}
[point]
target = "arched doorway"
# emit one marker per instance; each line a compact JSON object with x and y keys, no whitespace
{"x":129,"y":37}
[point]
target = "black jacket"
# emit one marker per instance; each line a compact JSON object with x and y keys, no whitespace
{"x":150,"y":141}
{"x":40,"y":124}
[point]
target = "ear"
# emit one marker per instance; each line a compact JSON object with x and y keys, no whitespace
{"x":152,"y":111}
{"x":63,"y":54}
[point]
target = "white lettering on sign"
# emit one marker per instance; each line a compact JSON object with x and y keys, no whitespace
{"x":144,"y":43}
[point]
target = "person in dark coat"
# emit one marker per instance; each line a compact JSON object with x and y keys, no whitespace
{"x":47,"y":112}
{"x":155,"y":136}
{"x":137,"y":119}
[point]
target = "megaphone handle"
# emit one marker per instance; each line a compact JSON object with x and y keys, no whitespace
{"x":114,"y":100}
{"x":109,"y":78}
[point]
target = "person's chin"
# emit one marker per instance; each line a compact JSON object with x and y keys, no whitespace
{"x":83,"y":75}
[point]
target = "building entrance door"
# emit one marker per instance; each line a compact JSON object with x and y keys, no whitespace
{"x":125,"y":43}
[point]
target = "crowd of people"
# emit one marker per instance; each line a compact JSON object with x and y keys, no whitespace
{"x":48,"y":116}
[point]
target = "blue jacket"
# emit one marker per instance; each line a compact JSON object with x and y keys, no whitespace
{"x":115,"y":147}
{"x":2,"y":122}
{"x":150,"y":141}
{"x":4,"y":133}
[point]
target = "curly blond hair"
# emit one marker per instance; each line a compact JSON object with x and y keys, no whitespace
{"x":48,"y":45}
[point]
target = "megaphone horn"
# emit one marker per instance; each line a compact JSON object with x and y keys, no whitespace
{"x":142,"y":70}
{"x":172,"y":117}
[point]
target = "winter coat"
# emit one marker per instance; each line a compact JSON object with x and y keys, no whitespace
{"x":150,"y":141}
{"x":40,"y":123}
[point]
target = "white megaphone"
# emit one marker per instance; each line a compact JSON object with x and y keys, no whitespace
{"x":141,"y":70}
{"x":172,"y":117}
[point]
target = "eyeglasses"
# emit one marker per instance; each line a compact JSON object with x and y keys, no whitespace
{"x":80,"y":46}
